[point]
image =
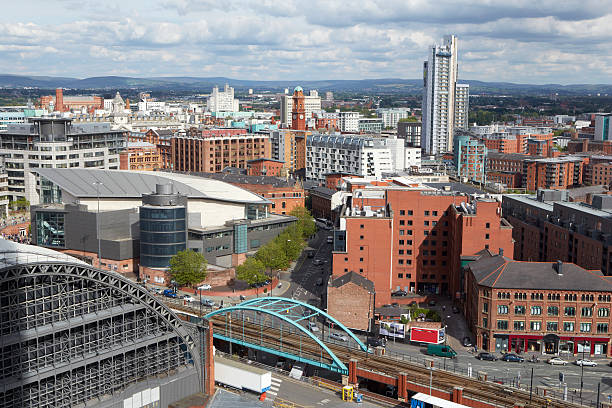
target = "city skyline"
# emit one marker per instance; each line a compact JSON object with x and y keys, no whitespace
{"x":518,"y":42}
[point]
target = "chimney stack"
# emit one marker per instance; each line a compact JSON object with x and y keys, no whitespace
{"x":559,"y":267}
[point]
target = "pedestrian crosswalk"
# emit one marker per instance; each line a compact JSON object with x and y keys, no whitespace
{"x":274,"y":388}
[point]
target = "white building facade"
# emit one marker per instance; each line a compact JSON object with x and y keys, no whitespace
{"x":462,"y":105}
{"x":364,"y":156}
{"x":348,"y":121}
{"x":439,"y":97}
{"x":390,"y":117}
{"x":223,"y":101}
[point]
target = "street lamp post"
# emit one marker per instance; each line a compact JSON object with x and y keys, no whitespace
{"x":98,"y":184}
{"x":582,"y":368}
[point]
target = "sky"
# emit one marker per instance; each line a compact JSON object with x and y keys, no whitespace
{"x":521,"y":41}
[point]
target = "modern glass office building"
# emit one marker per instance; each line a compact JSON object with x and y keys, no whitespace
{"x":163,"y":226}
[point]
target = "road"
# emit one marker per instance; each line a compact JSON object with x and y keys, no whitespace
{"x":305,"y":275}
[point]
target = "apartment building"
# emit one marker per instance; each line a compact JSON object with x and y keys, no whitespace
{"x":462,"y":106}
{"x":289,"y":146}
{"x":547,"y":227}
{"x":391,"y":116}
{"x":366,"y":156}
{"x":370,"y":125}
{"x":470,"y":156}
{"x":414,"y":238}
{"x":212,"y":153}
{"x":140,"y":156}
{"x":552,"y":308}
{"x":348,"y":122}
{"x":411,"y":132}
{"x":55,"y":143}
{"x":598,"y":170}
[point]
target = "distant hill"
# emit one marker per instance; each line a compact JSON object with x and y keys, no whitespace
{"x":383,"y":85}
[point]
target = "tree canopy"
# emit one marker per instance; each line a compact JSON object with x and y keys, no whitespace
{"x":305,"y":221}
{"x":188,"y":267}
{"x":252,"y":271}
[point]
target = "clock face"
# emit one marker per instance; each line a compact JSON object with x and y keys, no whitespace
{"x":301,"y":116}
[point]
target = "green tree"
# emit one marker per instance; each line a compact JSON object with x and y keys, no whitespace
{"x":188,"y":267}
{"x":408,"y":119}
{"x":252,"y":271}
{"x":272,"y":256}
{"x":20,"y":204}
{"x":305,"y":221}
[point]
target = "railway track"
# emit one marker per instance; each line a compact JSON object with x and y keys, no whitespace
{"x":442,"y":380}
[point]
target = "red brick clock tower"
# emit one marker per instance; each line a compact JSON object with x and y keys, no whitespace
{"x":298,"y":113}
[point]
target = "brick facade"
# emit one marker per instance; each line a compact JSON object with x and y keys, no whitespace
{"x":351,"y":303}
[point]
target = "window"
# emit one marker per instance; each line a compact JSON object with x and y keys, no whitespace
{"x":488,"y":225}
{"x":585,"y":327}
{"x":361,"y":248}
{"x":602,"y":327}
{"x":401,"y":252}
{"x":361,"y":237}
{"x":485,"y":322}
{"x":427,"y":213}
{"x":553,"y":310}
{"x":434,"y":213}
{"x":401,"y":232}
{"x":362,"y":226}
{"x":360,"y":259}
{"x":502,"y":325}
{"x":603,"y":312}
{"x":400,"y":261}
{"x":402,"y":212}
{"x":400,"y":275}
{"x":485,"y":307}
{"x":519,"y":325}
{"x":409,"y":212}
{"x":570,"y":311}
{"x":519,"y":310}
{"x":401,"y":242}
{"x":536,"y":310}
{"x":502,"y":309}
{"x":552,"y":326}
{"x":568,"y":326}
{"x":402,"y":222}
{"x":536,"y":326}
{"x":426,"y":223}
{"x":587,"y":312}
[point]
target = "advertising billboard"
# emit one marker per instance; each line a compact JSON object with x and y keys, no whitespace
{"x":423,"y":335}
{"x":392,"y":329}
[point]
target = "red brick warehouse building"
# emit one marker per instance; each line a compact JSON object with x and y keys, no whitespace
{"x":543,"y":307}
{"x":61,"y":103}
{"x":415,"y":239}
{"x":213,"y":150}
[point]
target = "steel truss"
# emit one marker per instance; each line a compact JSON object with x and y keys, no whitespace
{"x":70,"y":334}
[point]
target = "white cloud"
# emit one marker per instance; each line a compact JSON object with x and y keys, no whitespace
{"x":519,"y":41}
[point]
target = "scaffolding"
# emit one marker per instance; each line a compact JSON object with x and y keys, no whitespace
{"x":70,"y":334}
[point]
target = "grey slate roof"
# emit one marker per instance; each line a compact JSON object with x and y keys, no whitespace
{"x":245,"y":179}
{"x":501,"y":272}
{"x":355,"y":278}
{"x":322,"y":191}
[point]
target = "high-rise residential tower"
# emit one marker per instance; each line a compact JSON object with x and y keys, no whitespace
{"x":439,"y":97}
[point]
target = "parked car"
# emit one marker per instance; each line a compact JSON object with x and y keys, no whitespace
{"x":169,"y":293}
{"x":319,"y":281}
{"x":188,"y":298}
{"x":466,"y":341}
{"x":330,"y":239}
{"x":556,"y":361}
{"x":317,"y":262}
{"x":486,"y":356}
{"x":205,"y":286}
{"x":208,"y":302}
{"x":441,"y":350}
{"x":432,"y":303}
{"x":399,"y":292}
{"x":311,"y":253}
{"x":312,"y":326}
{"x":376,"y":342}
{"x":585,"y":362}
{"x":510,"y":357}
{"x":338,"y":336}
{"x":455,"y":309}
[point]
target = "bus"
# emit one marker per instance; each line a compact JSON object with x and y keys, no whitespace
{"x":421,"y":400}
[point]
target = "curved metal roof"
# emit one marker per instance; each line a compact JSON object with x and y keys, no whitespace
{"x":13,"y":253}
{"x":133,"y":184}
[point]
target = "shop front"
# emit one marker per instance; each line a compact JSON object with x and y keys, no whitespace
{"x":552,"y":344}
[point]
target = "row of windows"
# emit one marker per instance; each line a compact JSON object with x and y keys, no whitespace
{"x":554,"y":296}
{"x":551,"y":310}
{"x":519,"y":325}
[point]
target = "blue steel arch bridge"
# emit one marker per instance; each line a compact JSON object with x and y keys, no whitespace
{"x":287,"y":328}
